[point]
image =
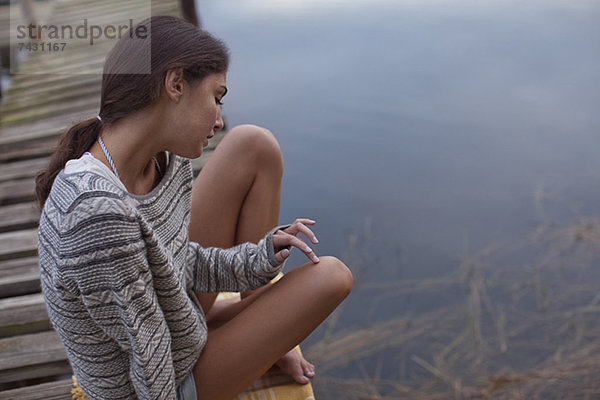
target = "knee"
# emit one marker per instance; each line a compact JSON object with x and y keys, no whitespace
{"x":260,"y":143}
{"x":337,"y":275}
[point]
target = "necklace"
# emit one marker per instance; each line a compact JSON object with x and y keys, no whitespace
{"x":112,"y":164}
{"x":107,"y":154}
{"x":158,"y":169}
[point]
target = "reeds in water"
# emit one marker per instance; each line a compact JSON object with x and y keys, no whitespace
{"x":523,"y":323}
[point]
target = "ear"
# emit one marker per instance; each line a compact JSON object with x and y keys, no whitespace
{"x":173,"y":83}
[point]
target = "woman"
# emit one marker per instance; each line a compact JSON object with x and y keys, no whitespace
{"x":126,"y":284}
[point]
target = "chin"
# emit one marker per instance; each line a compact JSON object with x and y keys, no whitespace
{"x":189,"y":154}
{"x":197,"y":154}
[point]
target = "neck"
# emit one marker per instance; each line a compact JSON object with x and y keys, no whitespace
{"x":129,"y":144}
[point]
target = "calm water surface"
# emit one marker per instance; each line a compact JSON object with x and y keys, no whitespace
{"x":440,"y":125}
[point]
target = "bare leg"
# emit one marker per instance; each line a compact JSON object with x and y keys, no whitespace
{"x":292,"y":363}
{"x":236,"y":196}
{"x":236,"y":199}
{"x":244,"y":348}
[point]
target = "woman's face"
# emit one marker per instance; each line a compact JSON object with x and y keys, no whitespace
{"x":199,"y":114}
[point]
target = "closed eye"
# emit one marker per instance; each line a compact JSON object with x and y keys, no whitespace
{"x":219,"y":102}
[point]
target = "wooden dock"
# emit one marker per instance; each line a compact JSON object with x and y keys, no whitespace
{"x":37,"y":109}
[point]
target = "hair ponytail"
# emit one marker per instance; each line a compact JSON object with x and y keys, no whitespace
{"x":76,"y":141}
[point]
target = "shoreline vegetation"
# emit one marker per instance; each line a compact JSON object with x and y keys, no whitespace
{"x":522,"y":324}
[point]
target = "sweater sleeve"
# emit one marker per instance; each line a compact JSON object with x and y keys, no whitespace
{"x":246,"y":266}
{"x":115,"y":283}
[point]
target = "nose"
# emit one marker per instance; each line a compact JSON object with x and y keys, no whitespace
{"x":219,"y":122}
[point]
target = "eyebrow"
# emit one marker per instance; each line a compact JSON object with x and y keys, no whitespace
{"x":224,"y":90}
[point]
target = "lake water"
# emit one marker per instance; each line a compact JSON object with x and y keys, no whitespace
{"x":417,"y":134}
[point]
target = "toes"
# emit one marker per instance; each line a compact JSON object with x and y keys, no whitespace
{"x":298,"y":374}
{"x":294,"y":365}
{"x":308,"y":368}
{"x":293,"y":369}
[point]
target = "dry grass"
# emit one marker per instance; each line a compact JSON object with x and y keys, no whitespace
{"x":524,"y":325}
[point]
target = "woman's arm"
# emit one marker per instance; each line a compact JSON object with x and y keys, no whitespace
{"x":246,"y":266}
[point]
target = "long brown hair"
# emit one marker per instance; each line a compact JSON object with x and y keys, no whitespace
{"x":175,"y":43}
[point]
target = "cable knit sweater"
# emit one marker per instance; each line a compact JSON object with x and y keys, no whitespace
{"x":118,"y":274}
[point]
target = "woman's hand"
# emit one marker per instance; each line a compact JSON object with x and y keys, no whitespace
{"x":287,"y":237}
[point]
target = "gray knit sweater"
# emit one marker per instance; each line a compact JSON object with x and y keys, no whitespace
{"x":118,"y":274}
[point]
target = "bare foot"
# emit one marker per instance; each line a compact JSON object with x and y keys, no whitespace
{"x":296,"y":366}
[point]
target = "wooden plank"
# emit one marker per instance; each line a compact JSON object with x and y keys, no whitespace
{"x":22,"y":169}
{"x":92,"y":65}
{"x":27,"y":150}
{"x":42,"y":128}
{"x":19,"y":276}
{"x":14,"y":266}
{"x":18,"y":244}
{"x":17,"y":191}
{"x":22,"y":310}
{"x":19,"y":216}
{"x":59,"y":390}
{"x":55,"y":95}
{"x":72,"y":10}
{"x":34,"y":87}
{"x":21,"y":283}
{"x":48,"y":371}
{"x":50,"y":110}
{"x":22,"y":315}
{"x":32,"y":356}
{"x":41,"y":88}
{"x":54,"y":370}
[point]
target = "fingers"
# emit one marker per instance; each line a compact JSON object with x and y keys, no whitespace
{"x":282,"y":255}
{"x":306,"y":221}
{"x":287,"y":237}
{"x":309,"y":252}
{"x":299,"y":226}
{"x":298,"y":243}
{"x":309,"y":234}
